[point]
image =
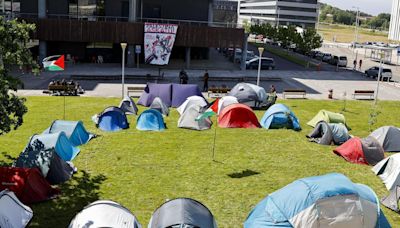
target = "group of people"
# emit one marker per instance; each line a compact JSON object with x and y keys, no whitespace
{"x":359,"y":64}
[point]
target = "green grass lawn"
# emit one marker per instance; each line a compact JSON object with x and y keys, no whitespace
{"x":141,"y":170}
{"x":346,"y":34}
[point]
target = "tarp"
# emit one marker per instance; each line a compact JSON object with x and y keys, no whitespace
{"x":388,"y":137}
{"x":152,"y":90}
{"x":188,"y":119}
{"x":180,"y":212}
{"x":74,"y":130}
{"x":158,"y":105}
{"x":280,"y":116}
{"x":181,"y":92}
{"x":331,"y":200}
{"x":28,"y":184}
{"x":150,"y":120}
{"x":13,"y":213}
{"x":192,"y":100}
{"x":389,"y":171}
{"x":365,"y":151}
{"x":392,"y":201}
{"x":112,"y":119}
{"x":327,"y":116}
{"x":128,"y":106}
{"x":58,"y":141}
{"x":238,"y":116}
{"x":249,"y":94}
{"x":104,"y":213}
{"x":52,"y":167}
{"x":326,"y":134}
{"x":226,"y":101}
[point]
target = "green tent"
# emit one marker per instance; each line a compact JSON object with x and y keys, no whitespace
{"x":327,"y":116}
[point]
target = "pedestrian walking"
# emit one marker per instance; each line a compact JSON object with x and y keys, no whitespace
{"x":354,"y":65}
{"x":360,"y":64}
{"x":183,"y":77}
{"x":205,"y":80}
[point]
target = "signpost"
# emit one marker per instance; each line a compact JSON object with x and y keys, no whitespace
{"x":138,"y":50}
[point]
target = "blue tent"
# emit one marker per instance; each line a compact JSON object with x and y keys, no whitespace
{"x":74,"y":130}
{"x":60,"y":142}
{"x":111,"y":119}
{"x":150,"y":120}
{"x":319,"y":201}
{"x":280,"y":116}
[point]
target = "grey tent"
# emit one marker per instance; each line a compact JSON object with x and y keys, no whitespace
{"x":392,"y":201}
{"x":389,"y":171}
{"x":13,"y":213}
{"x":182,"y":212}
{"x":193,"y":100}
{"x":249,"y":94}
{"x":128,"y":106}
{"x":159,"y":105}
{"x":326,"y":134}
{"x":188,"y":119}
{"x":388,"y":137}
{"x":52,"y":167}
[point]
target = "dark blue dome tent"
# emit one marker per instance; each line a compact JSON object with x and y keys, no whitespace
{"x":111,"y":119}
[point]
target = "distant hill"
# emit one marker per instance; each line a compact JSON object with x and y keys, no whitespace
{"x":334,"y":15}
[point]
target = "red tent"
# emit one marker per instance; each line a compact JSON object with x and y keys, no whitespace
{"x":365,"y":151}
{"x":238,"y":116}
{"x":28,"y":184}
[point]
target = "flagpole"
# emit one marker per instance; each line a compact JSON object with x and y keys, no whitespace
{"x":215,"y":137}
{"x":64,"y":107}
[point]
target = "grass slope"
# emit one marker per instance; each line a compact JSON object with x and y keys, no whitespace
{"x":141,"y":170}
{"x":346,"y":34}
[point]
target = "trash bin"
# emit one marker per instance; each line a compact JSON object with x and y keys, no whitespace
{"x":330,"y":94}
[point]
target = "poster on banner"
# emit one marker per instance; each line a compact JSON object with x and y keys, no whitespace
{"x":159,"y":40}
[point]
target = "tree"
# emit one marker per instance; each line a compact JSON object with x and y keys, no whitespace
{"x":14,"y":35}
{"x":309,"y":40}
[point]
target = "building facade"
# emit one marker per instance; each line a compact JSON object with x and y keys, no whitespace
{"x":303,"y":13}
{"x":394,"y":30}
{"x":85,"y":29}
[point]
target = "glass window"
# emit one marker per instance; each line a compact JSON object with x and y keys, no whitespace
{"x":86,"y":8}
{"x":10,"y":6}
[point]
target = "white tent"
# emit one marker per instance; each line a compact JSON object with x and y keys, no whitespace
{"x":128,"y":106}
{"x":226,"y":101}
{"x":104,"y":213}
{"x":193,"y":100}
{"x":13,"y":213}
{"x":389,"y":171}
{"x":188,"y":119}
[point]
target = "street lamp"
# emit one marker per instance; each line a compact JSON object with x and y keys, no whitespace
{"x":123,"y":46}
{"x":382,"y":55}
{"x":260,"y":51}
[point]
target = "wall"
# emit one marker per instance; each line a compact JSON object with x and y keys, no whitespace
{"x":29,"y":6}
{"x":57,"y":6}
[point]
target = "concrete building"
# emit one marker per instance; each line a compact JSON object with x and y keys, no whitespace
{"x":85,"y":29}
{"x":225,"y":11}
{"x":394,"y":30}
{"x":303,"y":13}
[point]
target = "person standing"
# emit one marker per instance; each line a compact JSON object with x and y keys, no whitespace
{"x":355,"y":65}
{"x":360,"y":64}
{"x":205,"y":80}
{"x":183,"y":77}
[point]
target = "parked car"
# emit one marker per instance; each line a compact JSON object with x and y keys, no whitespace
{"x":373,"y":72}
{"x":340,"y":61}
{"x":266,"y":63}
{"x":319,"y":55}
{"x":314,"y":53}
{"x":327,"y":57}
{"x":238,"y":55}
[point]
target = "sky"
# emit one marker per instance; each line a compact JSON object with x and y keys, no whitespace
{"x":373,"y":7}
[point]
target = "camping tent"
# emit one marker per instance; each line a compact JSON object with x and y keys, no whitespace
{"x":331,"y":200}
{"x":150,"y":120}
{"x":388,"y":137}
{"x":153,"y":90}
{"x":188,"y":119}
{"x":327,"y":116}
{"x":365,"y":151}
{"x":249,"y":94}
{"x":128,"y":106}
{"x":226,"y":101}
{"x":111,"y":119}
{"x":28,"y":184}
{"x":280,"y":116}
{"x":104,"y":213}
{"x":38,"y":155}
{"x":389,"y":171}
{"x":74,"y":130}
{"x":392,"y":201}
{"x":193,"y":100}
{"x":59,"y":141}
{"x":326,"y":134}
{"x":158,"y":105}
{"x":181,"y":92}
{"x":182,"y":212}
{"x":13,"y":213}
{"x":238,"y":116}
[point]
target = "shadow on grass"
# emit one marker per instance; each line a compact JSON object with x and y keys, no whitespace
{"x":77,"y":193}
{"x":244,"y":173}
{"x":9,"y":160}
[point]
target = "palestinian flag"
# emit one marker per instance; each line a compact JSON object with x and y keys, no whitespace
{"x":211,"y":111}
{"x":54,"y":63}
